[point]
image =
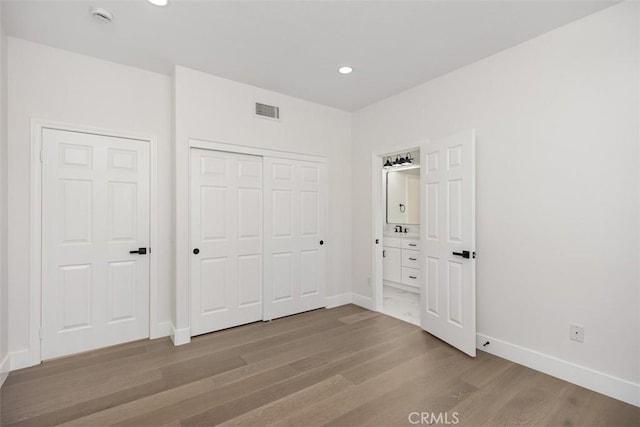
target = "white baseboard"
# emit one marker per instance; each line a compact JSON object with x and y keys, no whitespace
{"x":338,"y":300}
{"x":362,"y":301}
{"x":162,"y":329}
{"x":597,"y":381}
{"x":180,"y":336}
{"x":23,"y":359}
{"x":5,"y":367}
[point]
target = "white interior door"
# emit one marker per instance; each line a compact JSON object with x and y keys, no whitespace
{"x":95,"y":210}
{"x":226,"y":238}
{"x":448,"y":297}
{"x":295,"y":203}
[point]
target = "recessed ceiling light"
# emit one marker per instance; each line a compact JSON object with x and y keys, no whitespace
{"x":159,"y":2}
{"x":345,"y":70}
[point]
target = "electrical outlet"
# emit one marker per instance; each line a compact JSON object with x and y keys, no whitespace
{"x":576,"y":332}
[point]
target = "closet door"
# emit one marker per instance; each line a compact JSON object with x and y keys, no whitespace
{"x":295,"y":204}
{"x":226,"y":239}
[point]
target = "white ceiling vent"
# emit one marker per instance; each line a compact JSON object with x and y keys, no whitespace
{"x":269,"y":111}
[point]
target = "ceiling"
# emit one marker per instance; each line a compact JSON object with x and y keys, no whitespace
{"x":295,"y":47}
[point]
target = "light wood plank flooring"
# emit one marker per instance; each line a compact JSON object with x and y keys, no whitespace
{"x":343,"y":367}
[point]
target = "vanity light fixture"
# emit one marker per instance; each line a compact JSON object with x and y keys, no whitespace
{"x":399,"y":161}
{"x":345,"y":70}
{"x":159,"y":2}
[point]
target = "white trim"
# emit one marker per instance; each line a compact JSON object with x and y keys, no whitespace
{"x":162,"y":329}
{"x":362,"y":301}
{"x":180,"y":336}
{"x":5,"y":367}
{"x":338,"y":300}
{"x":377,"y":231}
{"x":33,"y":356}
{"x":600,"y":382}
{"x":21,"y":359}
{"x":254,"y":151}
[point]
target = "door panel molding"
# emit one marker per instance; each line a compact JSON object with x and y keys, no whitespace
{"x":447,"y":210}
{"x":295,"y":212}
{"x":32,"y":355}
{"x":225,"y":227}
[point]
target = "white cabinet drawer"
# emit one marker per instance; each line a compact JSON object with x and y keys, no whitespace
{"x":392,"y":242}
{"x":410,"y":258}
{"x":411,"y":277}
{"x":413,"y":244}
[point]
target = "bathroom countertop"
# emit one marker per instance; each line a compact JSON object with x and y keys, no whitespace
{"x":403,"y":235}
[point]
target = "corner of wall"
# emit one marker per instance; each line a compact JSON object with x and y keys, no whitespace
{"x":4,"y":306}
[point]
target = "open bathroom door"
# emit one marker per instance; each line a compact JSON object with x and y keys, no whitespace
{"x":448,"y":288}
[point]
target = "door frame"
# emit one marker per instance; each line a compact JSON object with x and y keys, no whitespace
{"x":33,"y":355}
{"x":183,"y":335}
{"x":377,"y":216}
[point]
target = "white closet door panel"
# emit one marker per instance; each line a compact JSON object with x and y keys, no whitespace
{"x":95,"y":209}
{"x":226,"y":230}
{"x":295,"y":204}
{"x":448,"y":214}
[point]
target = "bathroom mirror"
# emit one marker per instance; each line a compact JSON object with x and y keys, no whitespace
{"x":403,"y":196}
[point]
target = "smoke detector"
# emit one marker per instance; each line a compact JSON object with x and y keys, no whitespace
{"x":102,"y":15}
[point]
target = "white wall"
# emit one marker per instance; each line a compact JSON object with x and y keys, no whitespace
{"x":557,"y":185}
{"x":52,"y":84}
{"x":4,"y":308}
{"x":220,"y":110}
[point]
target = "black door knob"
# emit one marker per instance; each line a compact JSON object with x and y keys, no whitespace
{"x":321,"y":242}
{"x":196,"y":251}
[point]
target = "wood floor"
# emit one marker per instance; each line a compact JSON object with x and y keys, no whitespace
{"x":343,"y":367}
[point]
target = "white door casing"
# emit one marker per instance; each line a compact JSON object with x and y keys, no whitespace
{"x":448,"y":293}
{"x":226,"y":231}
{"x":295,"y":212}
{"x":95,"y":210}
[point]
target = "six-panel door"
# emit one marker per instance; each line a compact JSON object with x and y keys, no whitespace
{"x":226,"y":239}
{"x":295,"y":202}
{"x":95,"y":210}
{"x":448,"y":289}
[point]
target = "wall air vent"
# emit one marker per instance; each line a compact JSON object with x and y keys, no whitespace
{"x":269,"y":111}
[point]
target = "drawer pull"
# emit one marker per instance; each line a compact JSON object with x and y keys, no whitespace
{"x":412,"y":244}
{"x":412,"y":277}
{"x":413,"y":259}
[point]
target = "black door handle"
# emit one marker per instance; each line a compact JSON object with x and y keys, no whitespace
{"x":141,"y":251}
{"x":465,"y":254}
{"x":196,"y":251}
{"x":321,"y":242}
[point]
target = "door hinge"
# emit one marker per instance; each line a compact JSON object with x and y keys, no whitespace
{"x":41,"y":334}
{"x":41,"y":156}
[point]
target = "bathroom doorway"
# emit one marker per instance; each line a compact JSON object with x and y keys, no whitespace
{"x":397,"y":229}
